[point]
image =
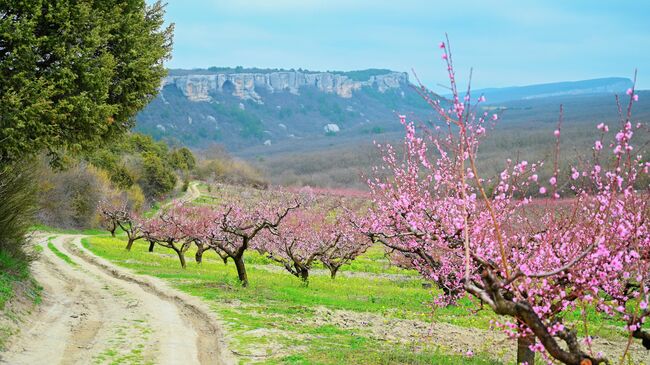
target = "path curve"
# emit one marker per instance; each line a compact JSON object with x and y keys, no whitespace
{"x":95,"y":312}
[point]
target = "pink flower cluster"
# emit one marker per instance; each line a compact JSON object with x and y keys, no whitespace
{"x":543,"y":257}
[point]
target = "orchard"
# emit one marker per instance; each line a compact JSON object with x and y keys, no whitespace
{"x":528,"y":248}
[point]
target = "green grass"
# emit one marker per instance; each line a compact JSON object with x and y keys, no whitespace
{"x":277,"y":302}
{"x":12,"y":271}
{"x":87,"y":232}
{"x":14,"y":278}
{"x":60,"y":254}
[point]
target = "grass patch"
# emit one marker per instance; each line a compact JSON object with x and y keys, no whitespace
{"x":12,"y":271}
{"x":48,"y":229}
{"x":60,"y":254}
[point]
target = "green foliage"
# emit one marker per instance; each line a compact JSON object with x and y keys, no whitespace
{"x":75,"y":73}
{"x":17,"y":208}
{"x":69,"y":198}
{"x":157,"y":178}
{"x":60,"y":254}
{"x":250,"y":125}
{"x":182,"y":159}
{"x":12,"y":270}
{"x":139,"y":162}
{"x":364,"y":75}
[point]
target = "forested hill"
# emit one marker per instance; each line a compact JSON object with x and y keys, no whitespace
{"x":243,"y":108}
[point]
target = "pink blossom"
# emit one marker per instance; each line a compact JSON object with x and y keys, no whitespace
{"x":635,"y":97}
{"x":444,"y":56}
{"x":575,"y":175}
{"x":552,"y":180}
{"x":556,"y":133}
{"x":495,"y":117}
{"x":629,"y":91}
{"x":442,"y":45}
{"x":534,"y":177}
{"x":643,"y":304}
{"x":542,"y":190}
{"x":481,"y":99}
{"x":598,"y":146}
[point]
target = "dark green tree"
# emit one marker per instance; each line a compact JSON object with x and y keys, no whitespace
{"x":75,"y":72}
{"x":158,"y":179}
{"x":182,"y":159}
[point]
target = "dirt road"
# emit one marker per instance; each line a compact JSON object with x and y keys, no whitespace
{"x":94,"y":312}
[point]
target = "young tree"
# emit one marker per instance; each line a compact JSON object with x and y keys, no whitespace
{"x":528,"y":260}
{"x":121,"y":215}
{"x":298,"y":242}
{"x":234,"y":229}
{"x":172,"y":229}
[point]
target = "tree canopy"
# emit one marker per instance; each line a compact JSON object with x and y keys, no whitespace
{"x":75,"y":72}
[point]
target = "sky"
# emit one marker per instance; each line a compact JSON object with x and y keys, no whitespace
{"x":506,"y":43}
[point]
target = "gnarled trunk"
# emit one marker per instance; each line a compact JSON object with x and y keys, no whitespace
{"x":304,"y":275}
{"x":241,"y":269}
{"x":333,"y":271}
{"x":129,"y":244}
{"x":200,"y":249}
{"x":181,"y":257}
{"x":151,"y":245}
{"x":524,"y":354}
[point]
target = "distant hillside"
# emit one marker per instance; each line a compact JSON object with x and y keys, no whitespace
{"x":608,"y":85}
{"x":243,"y":108}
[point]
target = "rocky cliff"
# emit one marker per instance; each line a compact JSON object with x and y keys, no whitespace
{"x":246,"y":86}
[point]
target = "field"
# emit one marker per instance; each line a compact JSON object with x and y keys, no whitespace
{"x":372,"y":313}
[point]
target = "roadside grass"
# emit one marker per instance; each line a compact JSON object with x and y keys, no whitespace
{"x":60,"y":254}
{"x":12,"y":272}
{"x":87,"y":232}
{"x":15,"y":281}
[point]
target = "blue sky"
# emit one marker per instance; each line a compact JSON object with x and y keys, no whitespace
{"x":506,"y":42}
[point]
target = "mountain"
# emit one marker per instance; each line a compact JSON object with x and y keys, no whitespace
{"x":610,"y":85}
{"x":244,"y":108}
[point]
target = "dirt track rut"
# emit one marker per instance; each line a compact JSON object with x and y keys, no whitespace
{"x":94,"y":312}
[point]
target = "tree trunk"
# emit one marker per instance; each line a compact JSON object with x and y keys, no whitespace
{"x":181,"y":257}
{"x":151,"y":245}
{"x":304,"y":276}
{"x":198,"y":257}
{"x":241,"y":270}
{"x":333,"y":271}
{"x":112,"y":230}
{"x":524,"y":353}
{"x":129,"y":244}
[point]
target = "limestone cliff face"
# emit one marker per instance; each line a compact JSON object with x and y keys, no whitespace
{"x":197,"y":87}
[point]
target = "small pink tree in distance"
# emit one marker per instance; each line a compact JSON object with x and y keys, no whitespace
{"x":527,"y":261}
{"x":173,"y":228}
{"x":236,"y":226}
{"x":313,"y":233}
{"x":297,"y":242}
{"x":119,"y":214}
{"x":344,"y":242}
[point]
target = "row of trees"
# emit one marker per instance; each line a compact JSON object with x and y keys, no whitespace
{"x":295,"y":232}
{"x":586,"y":244}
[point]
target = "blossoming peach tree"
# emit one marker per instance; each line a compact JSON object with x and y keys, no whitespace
{"x":585,"y":242}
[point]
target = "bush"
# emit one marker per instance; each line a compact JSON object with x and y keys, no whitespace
{"x":69,"y":199}
{"x":17,"y":209}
